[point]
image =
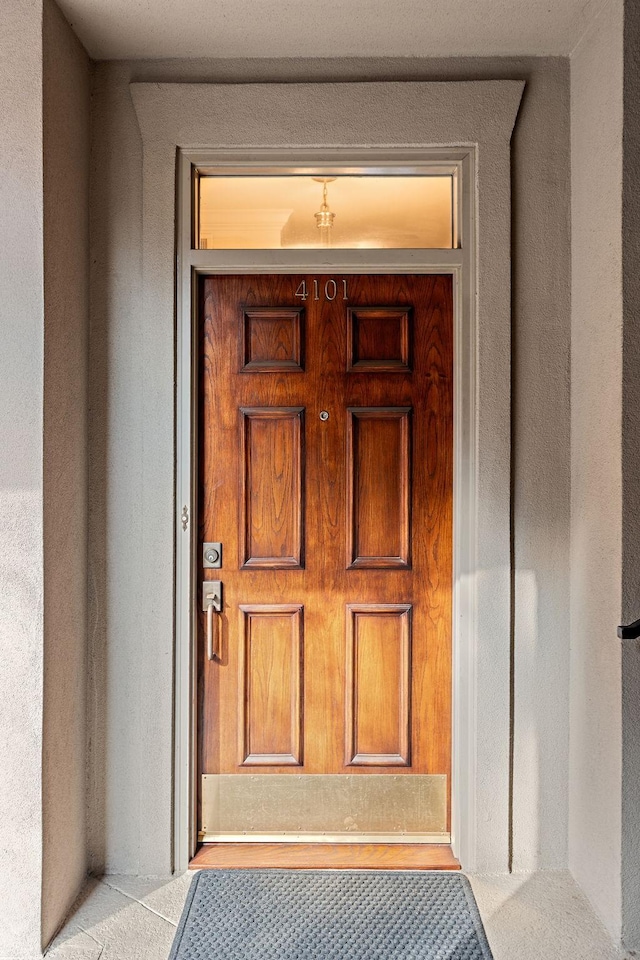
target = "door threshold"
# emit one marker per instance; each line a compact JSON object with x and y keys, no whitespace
{"x":325,"y":856}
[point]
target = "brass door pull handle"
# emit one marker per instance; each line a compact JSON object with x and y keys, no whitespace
{"x":212,"y":604}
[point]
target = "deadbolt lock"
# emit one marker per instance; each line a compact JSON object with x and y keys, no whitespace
{"x":211,"y":555}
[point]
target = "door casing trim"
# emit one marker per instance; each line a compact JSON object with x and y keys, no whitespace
{"x":256,"y":121}
{"x":459,"y":263}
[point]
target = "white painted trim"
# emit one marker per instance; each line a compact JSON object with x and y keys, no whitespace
{"x":184,"y":813}
{"x":458,"y":263}
{"x":297,"y":261}
{"x":470,"y":122}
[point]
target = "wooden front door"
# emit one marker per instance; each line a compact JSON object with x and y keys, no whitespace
{"x":326,"y":465}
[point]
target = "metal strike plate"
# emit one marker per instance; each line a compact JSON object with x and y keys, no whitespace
{"x":212,"y":588}
{"x":211,"y":556}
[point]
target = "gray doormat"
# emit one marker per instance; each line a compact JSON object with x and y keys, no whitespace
{"x":330,"y":915}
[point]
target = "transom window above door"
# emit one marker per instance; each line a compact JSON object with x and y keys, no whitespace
{"x":322,"y":209}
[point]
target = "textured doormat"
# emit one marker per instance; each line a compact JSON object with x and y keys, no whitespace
{"x":321,"y":915}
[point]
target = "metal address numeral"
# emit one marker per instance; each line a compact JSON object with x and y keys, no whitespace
{"x":328,"y":292}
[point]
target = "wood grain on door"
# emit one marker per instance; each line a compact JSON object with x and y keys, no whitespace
{"x":326,"y":471}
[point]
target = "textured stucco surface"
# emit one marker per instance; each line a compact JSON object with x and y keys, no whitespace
{"x":118,"y":29}
{"x":66,"y":353}
{"x":21,"y":526}
{"x":43,"y":349}
{"x":125,"y":720}
{"x":631,"y":479}
{"x":540,"y":469}
{"x":596,"y":486}
{"x":43,"y":477}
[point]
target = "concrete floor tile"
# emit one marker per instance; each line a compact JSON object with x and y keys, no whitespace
{"x":543,"y":916}
{"x":165,"y":896}
{"x":122,"y":928}
{"x":76,"y":946}
{"x":137,"y":934}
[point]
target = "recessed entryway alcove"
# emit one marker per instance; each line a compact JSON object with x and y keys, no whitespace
{"x":389,"y":123}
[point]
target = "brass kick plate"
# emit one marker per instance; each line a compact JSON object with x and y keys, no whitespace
{"x":325,"y":808}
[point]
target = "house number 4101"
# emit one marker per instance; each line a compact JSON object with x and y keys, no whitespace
{"x":328,"y":291}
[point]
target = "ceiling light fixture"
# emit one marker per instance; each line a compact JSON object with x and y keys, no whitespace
{"x":324,"y":216}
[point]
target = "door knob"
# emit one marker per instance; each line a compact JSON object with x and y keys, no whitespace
{"x":212,"y":606}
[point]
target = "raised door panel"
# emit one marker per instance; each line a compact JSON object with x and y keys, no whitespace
{"x":272,"y":454}
{"x":379,"y":487}
{"x":272,"y":340}
{"x":322,"y":512}
{"x":270,"y":703}
{"x":379,"y":339}
{"x":378,"y":691}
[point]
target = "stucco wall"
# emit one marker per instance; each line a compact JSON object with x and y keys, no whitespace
{"x":129,"y":814}
{"x":44,"y":84}
{"x":21,"y":524}
{"x":66,"y":106}
{"x":631,"y":479}
{"x":596,"y":486}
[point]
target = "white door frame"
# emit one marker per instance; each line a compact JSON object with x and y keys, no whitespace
{"x":457,"y":262}
{"x":467,"y":124}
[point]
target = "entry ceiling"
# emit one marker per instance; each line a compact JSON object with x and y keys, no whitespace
{"x":140,"y":29}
